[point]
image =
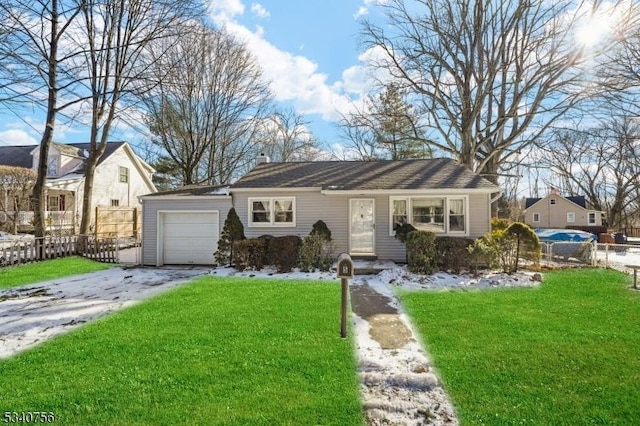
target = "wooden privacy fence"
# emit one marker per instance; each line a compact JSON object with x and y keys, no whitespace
{"x":117,"y":221}
{"x":31,"y":250}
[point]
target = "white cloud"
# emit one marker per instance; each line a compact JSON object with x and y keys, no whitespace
{"x":226,"y":8}
{"x":362,"y":11}
{"x":366,"y":4}
{"x":16,"y":137}
{"x":294,"y":78}
{"x":259,"y":10}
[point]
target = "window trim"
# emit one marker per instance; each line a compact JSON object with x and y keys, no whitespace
{"x":447,"y":198}
{"x":272,"y":223}
{"x":573,"y":217}
{"x":51,"y":198}
{"x":53,"y":160}
{"x":595,"y":218}
{"x":121,"y":175}
{"x":536,"y":217}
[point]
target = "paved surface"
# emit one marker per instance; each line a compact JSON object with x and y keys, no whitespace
{"x":398,"y":385}
{"x":34,"y":313}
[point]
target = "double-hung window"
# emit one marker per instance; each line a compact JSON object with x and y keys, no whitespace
{"x":53,"y":165}
{"x":123,"y":174}
{"x":592,"y":218}
{"x":272,"y":211}
{"x":441,"y":215}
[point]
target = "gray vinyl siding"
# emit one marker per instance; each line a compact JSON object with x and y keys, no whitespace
{"x":334,"y":211}
{"x":311,"y":206}
{"x":479,"y":215}
{"x":150,"y":209}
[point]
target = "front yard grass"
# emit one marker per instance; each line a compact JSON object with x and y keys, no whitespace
{"x":30,"y":273}
{"x":566,"y":353}
{"x":223,"y":351}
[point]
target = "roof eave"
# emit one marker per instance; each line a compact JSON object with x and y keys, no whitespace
{"x":411,"y":191}
{"x":184,"y":197}
{"x":274,"y":189}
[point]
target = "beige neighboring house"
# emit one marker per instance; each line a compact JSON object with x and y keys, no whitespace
{"x":362,"y":203}
{"x":556,"y":211}
{"x":120,"y":177}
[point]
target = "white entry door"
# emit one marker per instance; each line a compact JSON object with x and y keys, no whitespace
{"x":362,"y":226}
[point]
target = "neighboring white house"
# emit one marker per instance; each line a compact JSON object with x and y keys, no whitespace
{"x":120,"y":177}
{"x":362,"y":203}
{"x":556,"y":211}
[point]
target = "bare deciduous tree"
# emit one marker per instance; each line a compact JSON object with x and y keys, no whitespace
{"x":285,"y":137}
{"x":603,"y":164}
{"x":16,"y":185}
{"x":491,"y":76}
{"x":118,"y":34}
{"x":41,"y":69}
{"x":208,"y":109}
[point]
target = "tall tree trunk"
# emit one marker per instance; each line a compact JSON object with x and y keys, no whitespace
{"x":39,"y":197}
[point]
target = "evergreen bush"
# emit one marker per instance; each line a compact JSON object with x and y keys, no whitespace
{"x":249,"y":254}
{"x":421,"y":252}
{"x":452,"y":253}
{"x":316,"y":253}
{"x":285,"y":251}
{"x":232,"y":232}
{"x":321,"y":228}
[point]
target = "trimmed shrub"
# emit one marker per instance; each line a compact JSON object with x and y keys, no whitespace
{"x":285,"y":251}
{"x":403,"y":230}
{"x":503,"y":247}
{"x":320,"y":228}
{"x":452,"y":253}
{"x":267,"y":258}
{"x":527,"y":243}
{"x":476,"y":256}
{"x":499,"y":224}
{"x":232,"y":231}
{"x":249,"y":254}
{"x":316,"y":253}
{"x":421,"y":252}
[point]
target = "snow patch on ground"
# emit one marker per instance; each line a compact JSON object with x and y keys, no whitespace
{"x":399,"y":386}
{"x":32,"y":314}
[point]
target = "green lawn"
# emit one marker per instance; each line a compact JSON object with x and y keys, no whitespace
{"x":218,"y":351}
{"x":567,"y":353}
{"x":29,"y":273}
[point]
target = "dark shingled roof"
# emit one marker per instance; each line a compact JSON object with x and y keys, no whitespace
{"x":530,"y":201}
{"x":19,"y":156}
{"x":194,"y":190}
{"x":365,"y":175}
{"x":579,"y":200}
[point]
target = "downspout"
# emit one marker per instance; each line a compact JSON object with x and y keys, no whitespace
{"x":493,"y":199}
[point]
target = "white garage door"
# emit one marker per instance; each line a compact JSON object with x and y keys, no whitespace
{"x":190,"y":237}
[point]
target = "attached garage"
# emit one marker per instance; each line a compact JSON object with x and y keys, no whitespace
{"x":182,"y":227}
{"x":188,"y":238}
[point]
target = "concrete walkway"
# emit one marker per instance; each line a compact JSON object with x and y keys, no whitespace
{"x":398,"y":384}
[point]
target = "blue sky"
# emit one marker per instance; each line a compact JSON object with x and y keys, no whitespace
{"x":308,"y":50}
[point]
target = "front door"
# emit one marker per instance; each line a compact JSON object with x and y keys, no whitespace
{"x":362,"y":226}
